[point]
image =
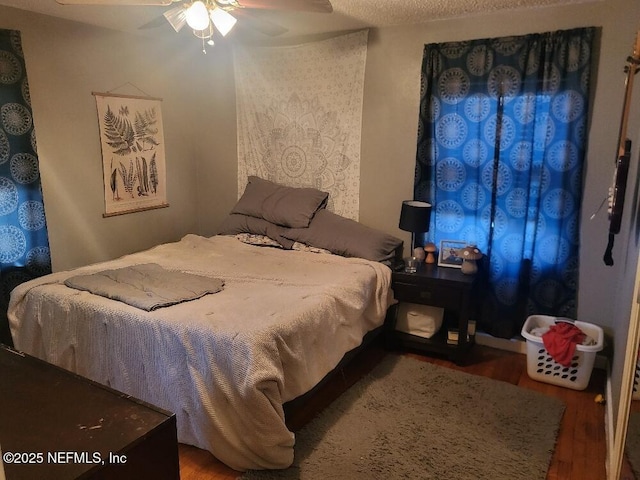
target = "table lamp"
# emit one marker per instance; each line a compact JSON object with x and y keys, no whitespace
{"x":414,"y":217}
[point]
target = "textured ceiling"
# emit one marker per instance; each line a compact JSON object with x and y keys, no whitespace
{"x":348,"y":14}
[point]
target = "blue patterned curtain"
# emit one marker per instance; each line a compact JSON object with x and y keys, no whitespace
{"x":501,"y":146}
{"x":24,"y":244}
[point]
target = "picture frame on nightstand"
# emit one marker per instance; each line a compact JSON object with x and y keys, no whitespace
{"x":447,"y":256}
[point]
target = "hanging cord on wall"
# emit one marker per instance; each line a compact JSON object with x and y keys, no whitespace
{"x":130,"y":84}
{"x":112,"y":93}
{"x":604,"y":200}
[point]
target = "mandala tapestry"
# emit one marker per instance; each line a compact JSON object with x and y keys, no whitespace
{"x":300,"y":116}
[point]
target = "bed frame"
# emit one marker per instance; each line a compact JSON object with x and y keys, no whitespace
{"x":353,"y":366}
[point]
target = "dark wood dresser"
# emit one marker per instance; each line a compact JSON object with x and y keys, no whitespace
{"x":57,"y":425}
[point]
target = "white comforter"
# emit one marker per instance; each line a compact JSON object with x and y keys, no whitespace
{"x":224,"y":363}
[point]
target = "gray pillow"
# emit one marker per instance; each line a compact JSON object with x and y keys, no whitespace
{"x":286,"y":206}
{"x":236,"y":223}
{"x":346,"y":237}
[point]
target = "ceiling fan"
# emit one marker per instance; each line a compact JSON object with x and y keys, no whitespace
{"x":211,"y":17}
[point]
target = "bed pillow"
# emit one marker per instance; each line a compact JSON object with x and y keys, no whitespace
{"x":286,"y":206}
{"x":346,"y":237}
{"x":236,"y":223}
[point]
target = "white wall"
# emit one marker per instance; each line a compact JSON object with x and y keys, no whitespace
{"x":66,"y":62}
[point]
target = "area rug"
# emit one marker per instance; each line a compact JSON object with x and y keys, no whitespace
{"x":412,"y":419}
{"x":632,"y":445}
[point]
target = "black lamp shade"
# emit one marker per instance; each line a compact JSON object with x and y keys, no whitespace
{"x":415,"y":216}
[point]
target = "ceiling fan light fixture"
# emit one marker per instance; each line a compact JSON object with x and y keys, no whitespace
{"x":176,"y":17}
{"x":197,"y":16}
{"x":205,"y":33}
{"x":223,"y":20}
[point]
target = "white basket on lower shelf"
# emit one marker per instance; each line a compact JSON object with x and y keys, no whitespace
{"x":542,"y":367}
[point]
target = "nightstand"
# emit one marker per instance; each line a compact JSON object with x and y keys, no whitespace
{"x":443,"y":287}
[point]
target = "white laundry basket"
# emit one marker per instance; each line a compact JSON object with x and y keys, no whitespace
{"x":542,"y":367}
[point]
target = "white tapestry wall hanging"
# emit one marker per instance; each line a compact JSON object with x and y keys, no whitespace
{"x":133,"y":155}
{"x":299,"y":111}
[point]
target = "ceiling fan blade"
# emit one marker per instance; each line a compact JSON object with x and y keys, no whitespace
{"x":319,"y":6}
{"x":176,"y":16}
{"x":163,"y":3}
{"x":262,"y":25}
{"x":155,"y":23}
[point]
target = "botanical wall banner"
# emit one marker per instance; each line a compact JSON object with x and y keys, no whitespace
{"x":133,"y":156}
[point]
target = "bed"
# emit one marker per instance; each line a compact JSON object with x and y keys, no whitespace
{"x":225,"y":362}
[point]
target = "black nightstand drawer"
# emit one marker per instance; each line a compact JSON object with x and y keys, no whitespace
{"x":436,"y":295}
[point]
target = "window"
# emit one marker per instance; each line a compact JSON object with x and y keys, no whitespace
{"x":501,"y":145}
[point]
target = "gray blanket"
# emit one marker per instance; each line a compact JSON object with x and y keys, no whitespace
{"x":147,"y":286}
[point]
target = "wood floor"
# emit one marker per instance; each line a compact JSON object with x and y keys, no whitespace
{"x":580,"y":451}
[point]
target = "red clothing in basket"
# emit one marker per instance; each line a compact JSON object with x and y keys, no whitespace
{"x":561,"y":340}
